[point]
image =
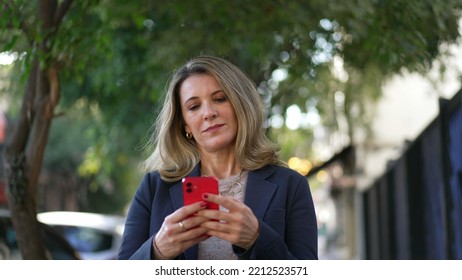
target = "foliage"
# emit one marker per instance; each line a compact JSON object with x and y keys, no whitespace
{"x":116,"y":57}
{"x":73,"y":161}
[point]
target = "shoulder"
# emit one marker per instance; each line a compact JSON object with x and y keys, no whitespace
{"x":152,"y":182}
{"x":282,"y":182}
{"x":281,"y":176}
{"x":154,"y":178}
{"x":269,"y":172}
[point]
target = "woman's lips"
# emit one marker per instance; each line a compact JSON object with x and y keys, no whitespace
{"x":213,"y":128}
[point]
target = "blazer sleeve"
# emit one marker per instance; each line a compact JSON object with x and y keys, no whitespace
{"x":300,"y":239}
{"x":136,"y":242}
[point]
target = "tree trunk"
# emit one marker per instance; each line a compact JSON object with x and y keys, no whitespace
{"x":25,"y":148}
{"x":21,"y":194}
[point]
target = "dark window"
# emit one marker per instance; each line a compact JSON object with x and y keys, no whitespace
{"x":86,"y":240}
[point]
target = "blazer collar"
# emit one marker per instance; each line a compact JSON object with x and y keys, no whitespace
{"x":260,"y":191}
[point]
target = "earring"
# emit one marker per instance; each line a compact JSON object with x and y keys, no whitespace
{"x":189,"y":135}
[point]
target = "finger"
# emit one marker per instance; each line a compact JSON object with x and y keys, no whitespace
{"x":192,"y":222}
{"x":188,"y":210}
{"x":224,"y":231}
{"x":172,"y":245}
{"x":185,"y":211}
{"x":216,"y":226}
{"x":175,"y":234}
{"x":182,"y":226}
{"x":214,"y":215}
{"x":226,"y":201}
{"x":191,"y":234}
{"x":241,"y":236}
{"x":191,"y":237}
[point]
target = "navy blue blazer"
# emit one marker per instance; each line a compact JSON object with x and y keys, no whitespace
{"x":279,"y":197}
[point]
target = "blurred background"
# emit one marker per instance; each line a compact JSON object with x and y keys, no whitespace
{"x":364,"y":98}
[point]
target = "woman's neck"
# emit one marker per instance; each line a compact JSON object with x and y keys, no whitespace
{"x":220,"y":166}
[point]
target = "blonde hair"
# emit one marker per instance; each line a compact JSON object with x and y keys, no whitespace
{"x":175,"y":156}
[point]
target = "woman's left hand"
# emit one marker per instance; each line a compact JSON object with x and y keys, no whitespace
{"x":239,"y":226}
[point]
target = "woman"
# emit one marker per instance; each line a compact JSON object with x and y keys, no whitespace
{"x":211,"y":124}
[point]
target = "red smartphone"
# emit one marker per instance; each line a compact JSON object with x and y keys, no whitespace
{"x":195,"y":187}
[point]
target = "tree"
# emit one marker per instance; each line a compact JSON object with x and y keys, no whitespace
{"x":25,"y":147}
{"x":98,"y":51}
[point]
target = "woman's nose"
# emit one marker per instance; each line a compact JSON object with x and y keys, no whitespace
{"x":209,"y":111}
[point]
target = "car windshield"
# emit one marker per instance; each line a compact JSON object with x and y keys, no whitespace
{"x":85,"y":239}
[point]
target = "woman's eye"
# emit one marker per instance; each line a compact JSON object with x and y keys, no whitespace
{"x":220,"y":99}
{"x":192,"y":107}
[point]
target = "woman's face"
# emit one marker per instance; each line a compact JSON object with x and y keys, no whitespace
{"x":208,"y":114}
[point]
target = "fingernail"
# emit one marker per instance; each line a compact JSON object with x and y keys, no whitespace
{"x":203,"y":204}
{"x":205,"y":196}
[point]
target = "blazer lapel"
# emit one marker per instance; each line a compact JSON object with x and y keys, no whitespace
{"x":259,"y":191}
{"x":176,"y":196}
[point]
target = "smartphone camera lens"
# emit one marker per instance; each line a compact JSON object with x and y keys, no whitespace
{"x":189,"y":187}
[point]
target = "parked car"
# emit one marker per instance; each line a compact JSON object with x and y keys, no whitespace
{"x":58,"y":248}
{"x":94,"y":236}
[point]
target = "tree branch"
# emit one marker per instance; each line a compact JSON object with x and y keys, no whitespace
{"x":61,"y":11}
{"x":20,"y":134}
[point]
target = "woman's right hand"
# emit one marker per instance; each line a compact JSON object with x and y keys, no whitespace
{"x":180,"y":231}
